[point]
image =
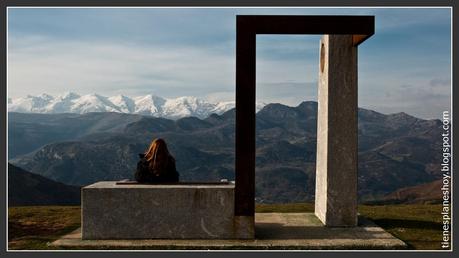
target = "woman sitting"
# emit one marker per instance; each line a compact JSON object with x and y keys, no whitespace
{"x":156,"y":165}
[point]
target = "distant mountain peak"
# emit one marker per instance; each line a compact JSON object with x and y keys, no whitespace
{"x":150,"y":104}
{"x":45,"y":96}
{"x":400,"y":114}
{"x":69,"y":94}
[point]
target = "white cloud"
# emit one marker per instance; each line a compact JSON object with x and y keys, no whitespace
{"x":425,"y":99}
{"x":221,"y":96}
{"x":104,"y":67}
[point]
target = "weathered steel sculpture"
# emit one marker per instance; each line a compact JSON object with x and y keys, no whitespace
{"x":336,"y":173}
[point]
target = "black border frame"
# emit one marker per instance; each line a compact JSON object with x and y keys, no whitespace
{"x":216,"y":3}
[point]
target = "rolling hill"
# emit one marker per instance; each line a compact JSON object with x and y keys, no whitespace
{"x":395,"y":150}
{"x":419,"y":194}
{"x":26,"y":189}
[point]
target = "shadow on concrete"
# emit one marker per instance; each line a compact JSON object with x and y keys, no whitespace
{"x":402,"y":223}
{"x":272,"y":231}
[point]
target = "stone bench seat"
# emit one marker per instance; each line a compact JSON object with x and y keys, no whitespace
{"x":186,"y":210}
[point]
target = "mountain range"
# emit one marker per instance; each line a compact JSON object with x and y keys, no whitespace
{"x":395,"y":150}
{"x":172,"y":108}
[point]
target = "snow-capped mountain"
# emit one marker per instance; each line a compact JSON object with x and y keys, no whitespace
{"x":153,"y":105}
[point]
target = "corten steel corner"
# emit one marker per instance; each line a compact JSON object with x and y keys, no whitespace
{"x":353,"y":31}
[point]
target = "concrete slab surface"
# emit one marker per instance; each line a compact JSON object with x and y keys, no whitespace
{"x":160,"y":211}
{"x":273,"y":231}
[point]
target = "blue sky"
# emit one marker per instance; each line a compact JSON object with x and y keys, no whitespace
{"x":405,"y":66}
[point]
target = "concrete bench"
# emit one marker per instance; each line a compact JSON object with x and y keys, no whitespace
{"x":170,"y":211}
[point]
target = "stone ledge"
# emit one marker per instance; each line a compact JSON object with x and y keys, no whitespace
{"x":168,"y":211}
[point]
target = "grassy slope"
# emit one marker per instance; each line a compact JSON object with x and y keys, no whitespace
{"x":418,"y":225}
{"x":32,"y":227}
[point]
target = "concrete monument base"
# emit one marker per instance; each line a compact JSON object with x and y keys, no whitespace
{"x":172,"y":211}
{"x":273,"y":231}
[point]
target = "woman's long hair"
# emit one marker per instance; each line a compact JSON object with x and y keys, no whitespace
{"x":157,"y":156}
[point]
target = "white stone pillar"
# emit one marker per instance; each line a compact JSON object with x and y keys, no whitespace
{"x":336,"y":166}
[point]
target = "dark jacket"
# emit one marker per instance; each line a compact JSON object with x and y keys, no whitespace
{"x":144,"y":175}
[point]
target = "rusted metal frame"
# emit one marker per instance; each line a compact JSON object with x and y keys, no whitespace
{"x":247,"y":27}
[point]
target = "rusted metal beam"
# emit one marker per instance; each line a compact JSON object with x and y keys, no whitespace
{"x":245,"y":118}
{"x":360,"y":26}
